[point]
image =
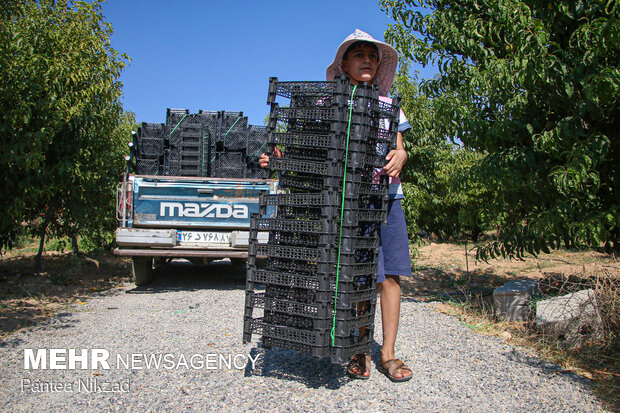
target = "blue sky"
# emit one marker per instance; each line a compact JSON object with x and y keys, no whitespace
{"x":219,"y":55}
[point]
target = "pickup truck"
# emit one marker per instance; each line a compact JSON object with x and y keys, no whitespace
{"x":199,"y":219}
{"x":163,"y":216}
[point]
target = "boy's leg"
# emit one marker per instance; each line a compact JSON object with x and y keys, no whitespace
{"x":390,"y":313}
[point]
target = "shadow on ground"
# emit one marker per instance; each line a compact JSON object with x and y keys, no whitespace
{"x":302,"y":367}
{"x":182,"y":275}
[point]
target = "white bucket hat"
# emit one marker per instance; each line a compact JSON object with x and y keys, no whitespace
{"x":388,"y":59}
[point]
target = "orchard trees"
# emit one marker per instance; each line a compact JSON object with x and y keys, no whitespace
{"x":533,"y":88}
{"x":60,"y":106}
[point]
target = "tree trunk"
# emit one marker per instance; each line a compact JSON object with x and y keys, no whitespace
{"x":475,"y":233}
{"x":74,"y":245}
{"x":37,"y":259}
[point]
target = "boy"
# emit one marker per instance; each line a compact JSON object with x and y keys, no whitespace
{"x":364,"y":59}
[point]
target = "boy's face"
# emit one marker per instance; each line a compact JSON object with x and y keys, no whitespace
{"x":361,"y":64}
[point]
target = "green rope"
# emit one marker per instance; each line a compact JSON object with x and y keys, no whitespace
{"x":229,"y":129}
{"x":175,"y":128}
{"x":259,"y":149}
{"x":233,"y":125}
{"x":344,"y":181}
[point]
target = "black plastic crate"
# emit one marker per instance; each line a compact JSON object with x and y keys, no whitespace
{"x":288,"y":320}
{"x":365,"y":155}
{"x":151,"y":130}
{"x":210,"y":123}
{"x":257,"y":141}
{"x":289,"y":279}
{"x":149,"y":147}
{"x":228,"y":160}
{"x":171,"y":164}
{"x":301,"y":153}
{"x":316,"y":351}
{"x":365,"y":111}
{"x":307,"y":140}
{"x":311,"y":183}
{"x":233,"y":131}
{"x":260,"y":300}
{"x":233,"y":140}
{"x":288,"y":89}
{"x":355,"y":291}
{"x":339,"y":355}
{"x":174,"y":117}
{"x":350,"y":217}
{"x":334,"y":169}
{"x":318,"y":114}
{"x":299,"y":267}
{"x":308,"y":126}
{"x":320,"y":255}
{"x":294,"y":294}
{"x":150,"y":139}
{"x":341,"y":327}
{"x":145,"y":166}
{"x":331,"y":198}
{"x":190,"y":169}
{"x":291,"y":225}
{"x":347,"y":244}
{"x":282,"y":269}
{"x":318,"y":310}
{"x":182,"y":126}
{"x":315,"y":338}
{"x":312,"y":288}
{"x":255,"y":172}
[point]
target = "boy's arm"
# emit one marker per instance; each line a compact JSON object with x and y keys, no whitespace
{"x":397,"y":158}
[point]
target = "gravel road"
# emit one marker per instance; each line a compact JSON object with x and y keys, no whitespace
{"x":191,"y":318}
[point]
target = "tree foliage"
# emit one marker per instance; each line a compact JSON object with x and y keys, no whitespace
{"x":441,"y":198}
{"x":533,"y":87}
{"x":60,"y":151}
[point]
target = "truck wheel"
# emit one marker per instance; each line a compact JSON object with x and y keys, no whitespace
{"x":142,"y":268}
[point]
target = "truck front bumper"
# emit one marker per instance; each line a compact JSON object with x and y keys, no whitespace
{"x":180,"y":253}
{"x":165,"y":243}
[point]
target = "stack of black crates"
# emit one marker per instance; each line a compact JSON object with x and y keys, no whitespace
{"x":204,"y":144}
{"x":312,"y":265}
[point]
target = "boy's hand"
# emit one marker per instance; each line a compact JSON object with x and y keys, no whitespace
{"x":397,"y":158}
{"x":263,"y":159}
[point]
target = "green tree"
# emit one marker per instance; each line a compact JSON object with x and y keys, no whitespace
{"x":441,"y":198}
{"x":532,"y":86}
{"x":60,"y":107}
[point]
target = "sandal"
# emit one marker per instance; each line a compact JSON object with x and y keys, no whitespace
{"x":358,"y":366}
{"x":389,"y":367}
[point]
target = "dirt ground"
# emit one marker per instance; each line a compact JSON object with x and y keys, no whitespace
{"x":440,"y":271}
{"x":443,"y":269}
{"x":27,"y":297}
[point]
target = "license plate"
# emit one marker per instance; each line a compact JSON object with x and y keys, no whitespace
{"x":199,"y":237}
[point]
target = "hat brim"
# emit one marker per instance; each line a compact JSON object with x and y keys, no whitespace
{"x":387,"y":63}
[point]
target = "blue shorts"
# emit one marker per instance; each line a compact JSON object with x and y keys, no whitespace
{"x":394,"y":247}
